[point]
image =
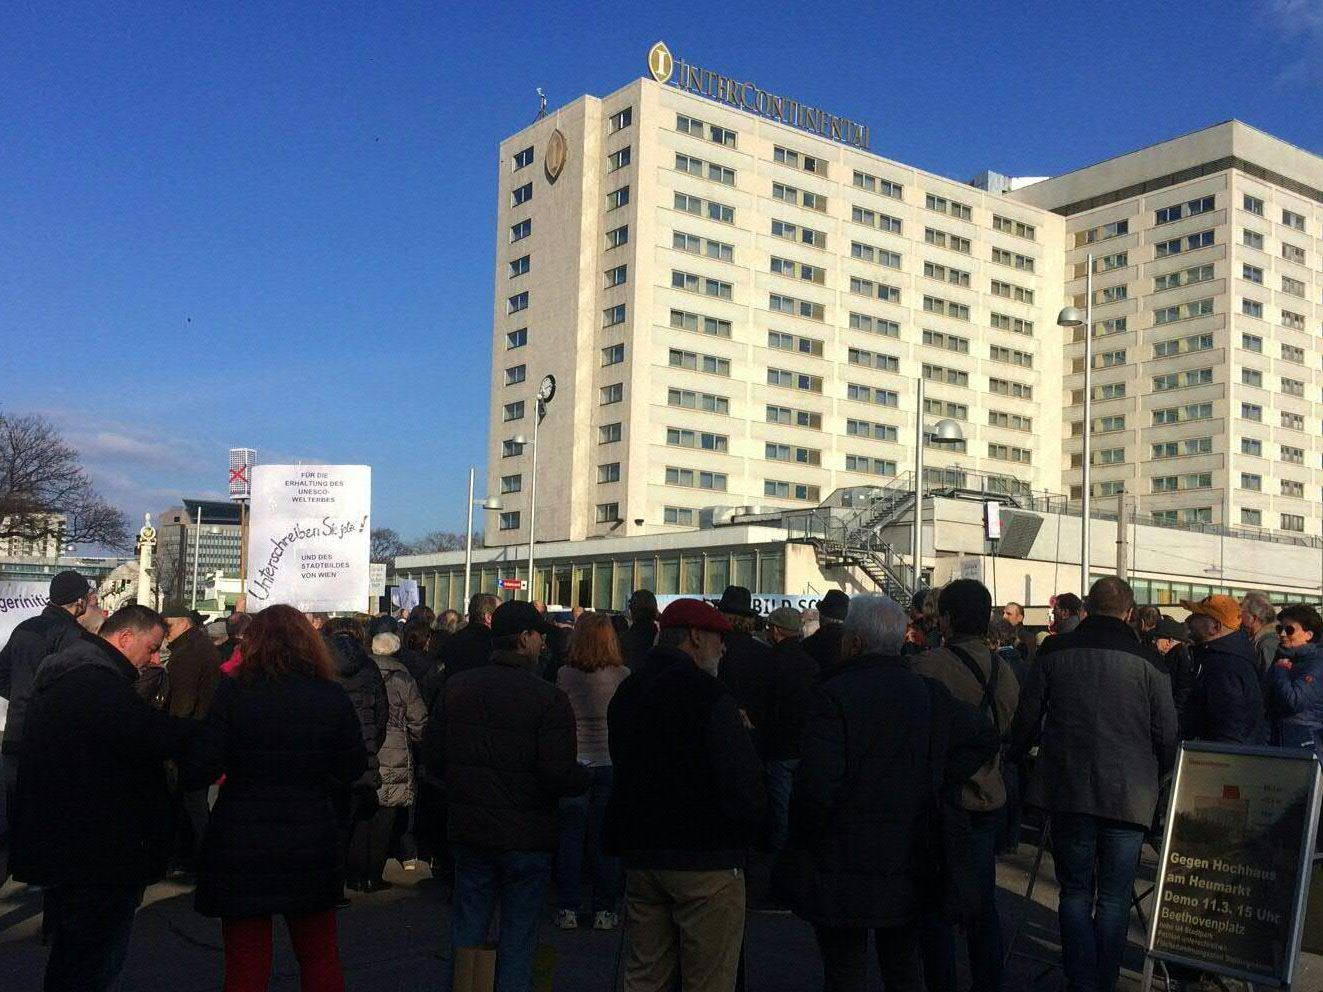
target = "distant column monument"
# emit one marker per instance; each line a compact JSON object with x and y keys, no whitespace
{"x":146,"y":572}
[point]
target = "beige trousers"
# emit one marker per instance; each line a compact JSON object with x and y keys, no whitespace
{"x":690,"y":921}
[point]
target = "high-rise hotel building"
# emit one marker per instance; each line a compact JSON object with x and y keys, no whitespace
{"x":737,"y":312}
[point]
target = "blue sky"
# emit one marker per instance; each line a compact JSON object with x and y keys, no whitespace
{"x":271,"y":224}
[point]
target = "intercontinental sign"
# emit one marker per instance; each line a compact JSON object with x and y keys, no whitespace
{"x":665,"y":68}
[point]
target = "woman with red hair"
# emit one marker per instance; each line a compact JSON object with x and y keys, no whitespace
{"x":284,"y":734}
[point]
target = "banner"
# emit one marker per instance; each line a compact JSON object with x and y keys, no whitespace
{"x":1236,"y":860}
{"x":308,"y":537}
{"x":763,"y":602}
{"x":18,"y":601}
{"x":405,"y":595}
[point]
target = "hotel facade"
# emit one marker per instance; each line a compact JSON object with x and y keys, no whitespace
{"x":737,"y":314}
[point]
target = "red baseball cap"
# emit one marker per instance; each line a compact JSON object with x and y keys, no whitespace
{"x":696,"y":614}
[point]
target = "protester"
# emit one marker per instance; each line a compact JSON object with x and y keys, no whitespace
{"x":687,"y":802}
{"x":1226,"y":702}
{"x":1101,"y":712}
{"x":881,"y":746}
{"x":824,"y":644}
{"x":1258,"y":620}
{"x":472,"y":646}
{"x":973,"y":675}
{"x":794,"y":674}
{"x":448,"y":622}
{"x":284,"y":734}
{"x":1295,"y":683}
{"x":91,"y":818}
{"x":1007,"y":645}
{"x":590,"y":678}
{"x":642,"y":633}
{"x":503,"y":741}
{"x":415,"y":652}
{"x":235,"y":625}
{"x":1013,"y":614}
{"x":746,"y":667}
{"x":1170,"y":638}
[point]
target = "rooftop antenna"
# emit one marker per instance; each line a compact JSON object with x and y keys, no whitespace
{"x":541,"y":104}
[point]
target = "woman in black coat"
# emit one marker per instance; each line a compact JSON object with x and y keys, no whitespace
{"x":285,"y":736}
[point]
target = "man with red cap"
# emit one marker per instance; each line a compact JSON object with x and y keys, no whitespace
{"x":687,"y":803}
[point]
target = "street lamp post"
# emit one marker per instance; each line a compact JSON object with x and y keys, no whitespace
{"x":490,"y":503}
{"x":943,"y":432}
{"x":1071,"y":317}
{"x":197,"y":549}
{"x":546,"y":390}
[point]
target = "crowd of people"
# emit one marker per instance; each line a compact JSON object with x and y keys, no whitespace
{"x":861,"y":766}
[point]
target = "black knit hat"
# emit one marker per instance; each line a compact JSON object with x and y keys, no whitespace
{"x":834,"y":605}
{"x":68,"y":587}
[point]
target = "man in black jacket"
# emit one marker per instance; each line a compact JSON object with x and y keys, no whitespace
{"x":1100,"y":709}
{"x":471,"y":647}
{"x":687,"y":803}
{"x":824,"y":644}
{"x":29,"y":642}
{"x":1226,"y":704}
{"x":883,"y":750}
{"x":639,"y":639}
{"x":503,"y":742}
{"x":795,"y":673}
{"x":92,"y":813}
{"x":746,"y":667}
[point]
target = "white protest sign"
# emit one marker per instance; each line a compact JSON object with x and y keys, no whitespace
{"x":405,"y":595}
{"x":18,"y":601}
{"x":308,"y":537}
{"x":377,"y":582}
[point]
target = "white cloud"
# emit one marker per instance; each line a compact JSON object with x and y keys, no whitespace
{"x":1299,"y":22}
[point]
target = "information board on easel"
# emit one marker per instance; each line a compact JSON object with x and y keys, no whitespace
{"x":1235,"y":865}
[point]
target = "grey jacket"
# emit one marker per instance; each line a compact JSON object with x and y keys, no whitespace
{"x":1266,"y":643}
{"x":404,"y":728}
{"x":1101,"y":712}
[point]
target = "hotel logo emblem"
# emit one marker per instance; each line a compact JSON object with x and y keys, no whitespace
{"x":554,"y":157}
{"x":660,"y":62}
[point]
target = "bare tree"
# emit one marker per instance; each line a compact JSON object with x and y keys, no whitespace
{"x":386,"y":545}
{"x":442,"y":540}
{"x":45,"y":492}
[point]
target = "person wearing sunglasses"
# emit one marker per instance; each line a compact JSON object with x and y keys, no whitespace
{"x":1295,"y":685}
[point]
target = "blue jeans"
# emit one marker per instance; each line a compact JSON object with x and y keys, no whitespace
{"x":983,"y":933}
{"x":581,"y":817}
{"x":517,"y":881}
{"x":779,"y":778}
{"x":89,"y":935}
{"x":1095,"y":863}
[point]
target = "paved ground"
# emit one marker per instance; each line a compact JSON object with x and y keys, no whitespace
{"x":396,"y":942}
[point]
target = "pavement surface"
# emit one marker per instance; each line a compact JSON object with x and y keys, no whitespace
{"x":396,"y":941}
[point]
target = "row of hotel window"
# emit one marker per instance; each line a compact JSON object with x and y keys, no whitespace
{"x":1188,"y":413}
{"x":1190,"y":208}
{"x":1291,"y":454}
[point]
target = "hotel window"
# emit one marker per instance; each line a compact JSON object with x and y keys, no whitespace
{"x":613,"y":354}
{"x":794,"y":380}
{"x":1179,"y":380}
{"x":1290,"y":353}
{"x":870,"y":394}
{"x":1109,"y":425}
{"x":945,"y":408}
{"x":874,"y":325}
{"x":1010,"y":421}
{"x":617,"y":276}
{"x":1251,"y":518}
{"x":690,"y":400}
{"x":607,"y":513}
{"x":947,"y":342}
{"x":1293,"y":254}
{"x":694,"y":479}
{"x":1016,"y":325}
{"x":510,"y":520}
{"x":942,"y":205}
{"x":872,"y":360}
{"x":608,"y":434}
{"x":1010,"y":453}
{"x":1252,"y":239}
{"x":509,"y":449}
{"x":519,"y":266}
{"x":792,"y":342}
{"x":1292,"y":287}
{"x":1117,"y":260}
{"x":513,"y":411}
{"x":1010,"y":356}
{"x":522,"y":159}
{"x":1293,"y":387}
{"x":941,"y":239}
{"x":864,"y":428}
{"x":1182,"y":346}
{"x":516,"y":374}
{"x":1252,"y":273}
{"x":1251,"y":308}
{"x":1107,"y":391}
{"x":609,"y":472}
{"x":802,"y":308}
{"x":1174,"y":280}
{"x":512,"y":484}
{"x":1016,"y":261}
{"x":1012,"y":292}
{"x":1251,"y":411}
{"x":1251,"y":377}
{"x":943,"y":273}
{"x":721,"y":135}
{"x":617,"y":237}
{"x":699,"y":324}
{"x":791,"y":490}
{"x":517,"y":302}
{"x":1290,"y":487}
{"x":1112,"y":230}
{"x":1113,"y":294}
{"x":1173,"y":213}
{"x":774,"y":452}
{"x":683,"y":438}
{"x":620,"y":120}
{"x":516,"y":339}
{"x":1253,"y":204}
{"x":613,"y":315}
{"x":1004,"y":387}
{"x":617,"y":198}
{"x":1252,"y":342}
{"x":1018,"y":228}
{"x":1295,"y":321}
{"x":682,"y":516}
{"x":521,"y":230}
{"x":521,"y":195}
{"x":800,"y":270}
{"x":1293,"y":421}
{"x":689,"y":125}
{"x":721,"y":174}
{"x":1177,"y":246}
{"x":1293,"y":521}
{"x":952,"y":377}
{"x":689,"y":164}
{"x":613,"y":393}
{"x":1185,"y":311}
{"x":870,"y":466}
{"x":1293,"y":455}
{"x":1251,"y":446}
{"x":619,"y":159}
{"x":1293,"y":220}
{"x":933,"y":304}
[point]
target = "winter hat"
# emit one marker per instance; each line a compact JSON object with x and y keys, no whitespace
{"x":68,"y":587}
{"x":834,"y":605}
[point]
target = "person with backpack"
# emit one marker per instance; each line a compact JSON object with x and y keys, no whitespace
{"x":975,"y":675}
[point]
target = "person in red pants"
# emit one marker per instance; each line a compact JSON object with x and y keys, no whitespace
{"x":285,"y":736}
